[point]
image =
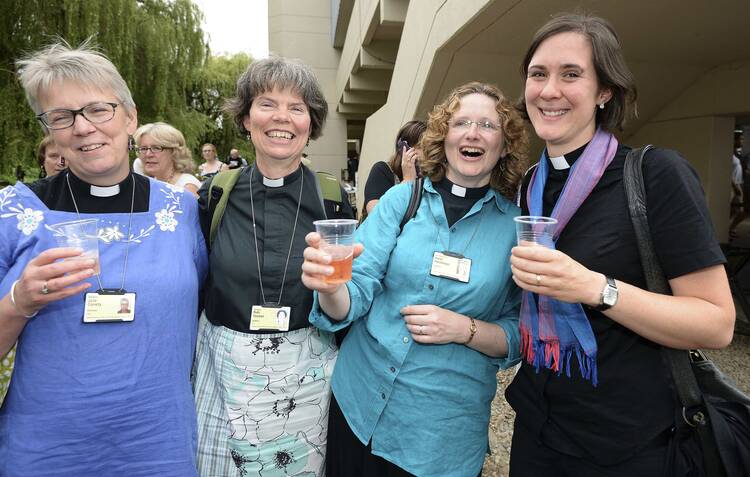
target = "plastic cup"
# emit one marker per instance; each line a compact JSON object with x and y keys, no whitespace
{"x":535,"y":230}
{"x":337,"y":237}
{"x":79,"y":234}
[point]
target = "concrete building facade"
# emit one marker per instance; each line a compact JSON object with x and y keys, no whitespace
{"x":384,"y":62}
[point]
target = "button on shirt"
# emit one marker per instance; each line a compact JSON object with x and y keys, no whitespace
{"x":424,"y":407}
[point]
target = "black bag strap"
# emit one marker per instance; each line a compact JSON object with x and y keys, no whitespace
{"x":688,"y":391}
{"x":414,"y":199}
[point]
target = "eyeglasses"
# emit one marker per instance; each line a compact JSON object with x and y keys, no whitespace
{"x":483,"y":125}
{"x":154,"y":149}
{"x":95,"y":113}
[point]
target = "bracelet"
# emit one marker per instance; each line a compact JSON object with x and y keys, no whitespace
{"x":472,"y":330}
{"x":13,"y":302}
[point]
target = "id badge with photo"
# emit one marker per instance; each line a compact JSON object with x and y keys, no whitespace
{"x":270,"y":317}
{"x":107,"y":306}
{"x":451,"y":265}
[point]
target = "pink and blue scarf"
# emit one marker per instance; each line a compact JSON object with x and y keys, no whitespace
{"x":553,"y":331}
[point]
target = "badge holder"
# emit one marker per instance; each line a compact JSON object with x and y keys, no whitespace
{"x":270,"y":317}
{"x":451,"y":265}
{"x":109,"y":305}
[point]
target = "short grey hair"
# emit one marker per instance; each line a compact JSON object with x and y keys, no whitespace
{"x":84,"y":65}
{"x":264,"y":75}
{"x":167,"y":135}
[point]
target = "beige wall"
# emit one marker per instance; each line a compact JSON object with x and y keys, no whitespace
{"x":302,"y":29}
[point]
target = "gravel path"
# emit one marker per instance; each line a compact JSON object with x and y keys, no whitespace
{"x":733,"y":361}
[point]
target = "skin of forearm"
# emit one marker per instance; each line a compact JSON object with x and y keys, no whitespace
{"x":489,"y":338}
{"x":335,"y":305}
{"x":11,"y":325}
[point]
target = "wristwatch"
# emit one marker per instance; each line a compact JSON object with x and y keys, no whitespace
{"x":609,"y":295}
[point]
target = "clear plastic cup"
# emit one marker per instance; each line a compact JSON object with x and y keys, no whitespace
{"x":535,"y":230}
{"x":337,"y":236}
{"x":79,"y":234}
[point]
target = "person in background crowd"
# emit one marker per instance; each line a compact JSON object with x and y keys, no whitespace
{"x":234,"y":160}
{"x":50,"y":158}
{"x":212,"y":164}
{"x":433,"y":309}
{"x":613,"y":412}
{"x":262,"y":383}
{"x":402,"y":166}
{"x":92,"y":398}
{"x":737,"y":205}
{"x":165,"y":156}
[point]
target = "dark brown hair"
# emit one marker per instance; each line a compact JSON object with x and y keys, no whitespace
{"x":411,"y":132}
{"x":507,"y":173}
{"x":609,"y":63}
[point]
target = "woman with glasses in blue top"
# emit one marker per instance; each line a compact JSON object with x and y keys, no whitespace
{"x":101,"y":384}
{"x":432,"y":307}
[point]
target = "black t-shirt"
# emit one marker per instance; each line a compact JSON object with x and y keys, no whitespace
{"x":53,"y":191}
{"x":381,"y":179}
{"x":233,"y":283}
{"x":633,"y":402}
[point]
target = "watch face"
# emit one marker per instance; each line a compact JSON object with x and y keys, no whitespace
{"x":610,"y":296}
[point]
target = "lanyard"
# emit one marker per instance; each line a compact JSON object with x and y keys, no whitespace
{"x":291,"y":240}
{"x":479,"y":223}
{"x":127,"y":243}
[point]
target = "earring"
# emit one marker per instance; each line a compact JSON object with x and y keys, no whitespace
{"x":601,"y":106}
{"x":249,"y":137}
{"x":308,"y":142}
{"x":131,"y":143}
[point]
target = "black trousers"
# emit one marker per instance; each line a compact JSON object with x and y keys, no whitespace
{"x":531,"y":458}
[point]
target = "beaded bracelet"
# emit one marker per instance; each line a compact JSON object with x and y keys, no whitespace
{"x":13,"y":302}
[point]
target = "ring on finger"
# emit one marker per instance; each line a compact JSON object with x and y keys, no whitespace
{"x":45,"y":290}
{"x":538,"y":280}
{"x":421,"y":329}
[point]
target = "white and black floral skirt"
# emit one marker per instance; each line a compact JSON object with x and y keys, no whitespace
{"x":262,"y":401}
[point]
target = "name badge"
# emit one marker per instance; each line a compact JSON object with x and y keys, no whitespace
{"x":451,"y":265}
{"x":107,"y":306}
{"x":274,"y":318}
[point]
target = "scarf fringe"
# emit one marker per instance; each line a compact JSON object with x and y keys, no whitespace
{"x":541,"y":354}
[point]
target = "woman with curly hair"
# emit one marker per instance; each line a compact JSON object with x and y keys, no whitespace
{"x":432,"y":308}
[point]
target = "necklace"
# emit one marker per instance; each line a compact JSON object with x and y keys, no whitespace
{"x":291,"y":240}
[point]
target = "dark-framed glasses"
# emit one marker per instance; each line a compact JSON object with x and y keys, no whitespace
{"x":94,"y":113}
{"x":154,"y":149}
{"x":483,"y":125}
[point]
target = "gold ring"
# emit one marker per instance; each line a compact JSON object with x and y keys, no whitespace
{"x":538,"y":280}
{"x":45,"y":290}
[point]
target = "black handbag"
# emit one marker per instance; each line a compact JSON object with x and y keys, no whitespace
{"x":711,"y":435}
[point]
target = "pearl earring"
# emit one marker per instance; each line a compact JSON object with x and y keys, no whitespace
{"x":601,"y":106}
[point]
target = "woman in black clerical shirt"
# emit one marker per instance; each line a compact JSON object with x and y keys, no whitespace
{"x":402,"y":166}
{"x":94,"y":393}
{"x":600,"y":401}
{"x":263,"y":383}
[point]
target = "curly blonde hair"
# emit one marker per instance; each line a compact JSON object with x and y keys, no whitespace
{"x":167,"y":135}
{"x":508,"y":172}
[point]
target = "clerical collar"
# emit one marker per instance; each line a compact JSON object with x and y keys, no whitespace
{"x":472,"y":193}
{"x":83,"y":187}
{"x":567,"y":161}
{"x":275,"y":183}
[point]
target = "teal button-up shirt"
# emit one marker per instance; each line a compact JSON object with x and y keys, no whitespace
{"x":425,"y":408}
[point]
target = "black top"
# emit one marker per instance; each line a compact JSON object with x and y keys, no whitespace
{"x":53,"y":191}
{"x":381,"y":179}
{"x":233,"y":285}
{"x":457,"y":206}
{"x":633,"y":402}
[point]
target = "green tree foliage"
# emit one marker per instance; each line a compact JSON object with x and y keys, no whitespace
{"x":157,"y":45}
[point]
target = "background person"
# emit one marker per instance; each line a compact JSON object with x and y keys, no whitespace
{"x":74,"y":406}
{"x":212,"y":164}
{"x":401,"y":167}
{"x":612,"y":414}
{"x":234,"y":160}
{"x":165,"y":156}
{"x":51,"y":160}
{"x":274,"y":418}
{"x":417,"y":372}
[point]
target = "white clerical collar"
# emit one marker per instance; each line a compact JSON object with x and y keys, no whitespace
{"x":559,"y":163}
{"x":458,"y":190}
{"x":108,"y":191}
{"x":273,"y":182}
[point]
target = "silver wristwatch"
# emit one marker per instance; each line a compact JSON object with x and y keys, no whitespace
{"x":609,"y":295}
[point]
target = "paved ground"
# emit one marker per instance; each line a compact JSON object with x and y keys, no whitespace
{"x":733,"y":361}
